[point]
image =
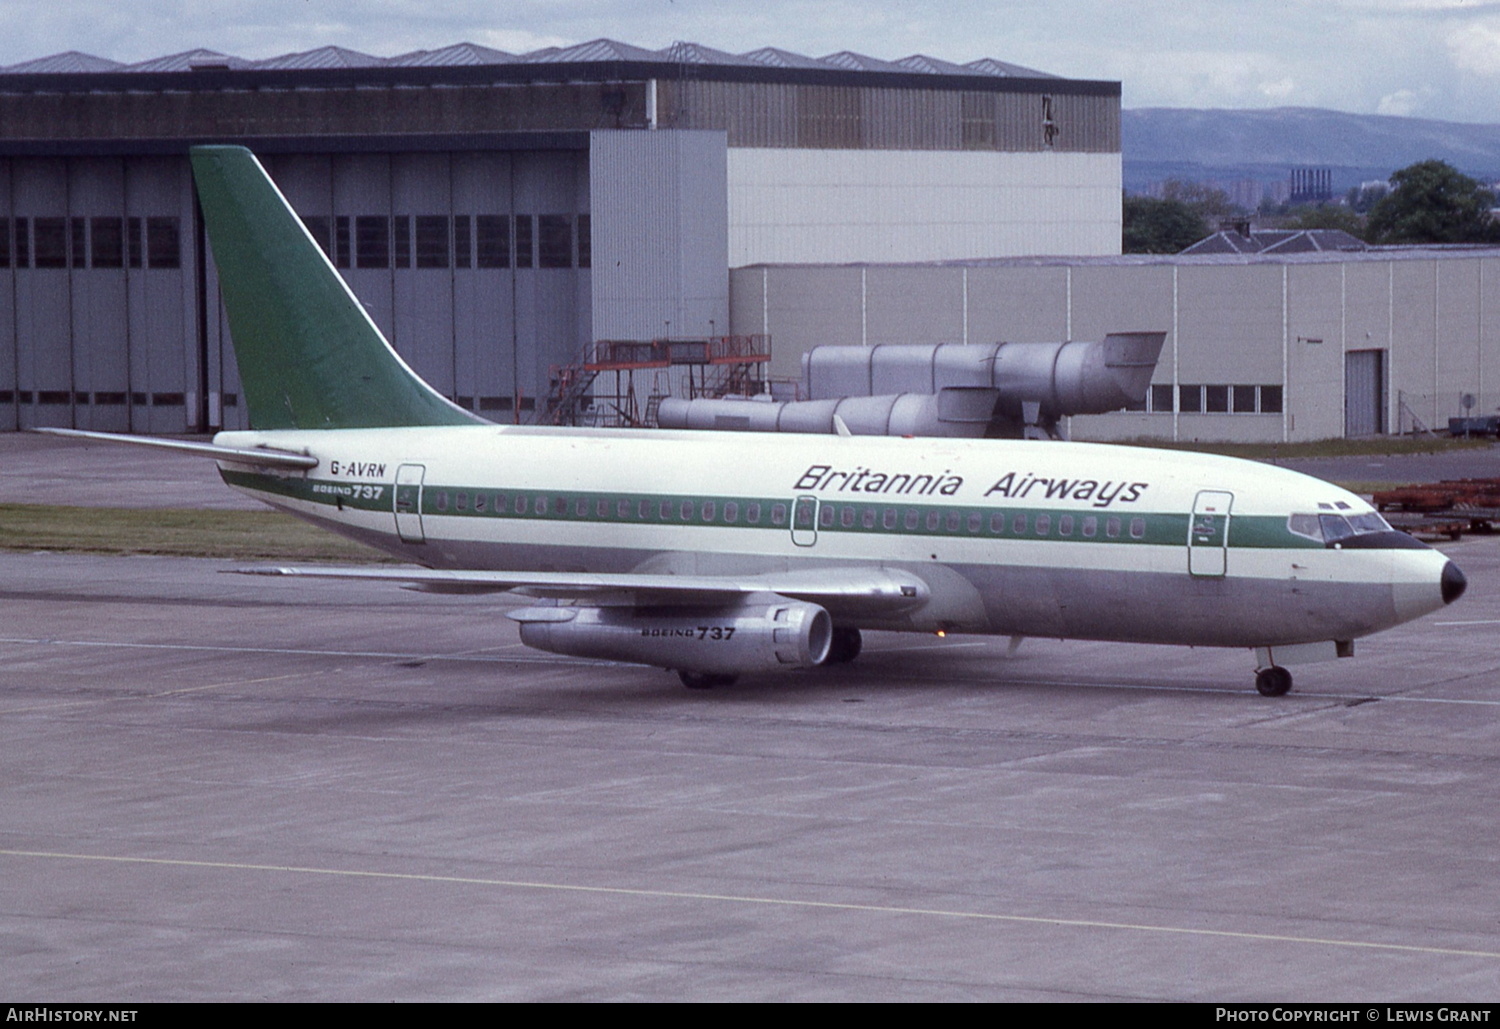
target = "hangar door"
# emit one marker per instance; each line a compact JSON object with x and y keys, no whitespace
{"x":1364,"y":392}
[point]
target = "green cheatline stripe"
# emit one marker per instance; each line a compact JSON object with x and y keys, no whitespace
{"x":735,"y":512}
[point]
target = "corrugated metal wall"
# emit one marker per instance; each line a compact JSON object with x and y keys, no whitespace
{"x":447,"y":252}
{"x":660,"y":234}
{"x":313,"y":111}
{"x":1364,"y":392}
{"x":878,"y":118}
{"x":97,"y":313}
{"x":475,"y":265}
{"x":834,"y":206}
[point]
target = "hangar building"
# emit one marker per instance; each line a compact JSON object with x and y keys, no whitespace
{"x":498,"y":212}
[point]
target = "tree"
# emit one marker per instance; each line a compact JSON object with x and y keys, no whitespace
{"x":1361,"y":198}
{"x":1154,"y":226}
{"x":1208,"y":200}
{"x":1327,"y":216}
{"x":1431,"y":202}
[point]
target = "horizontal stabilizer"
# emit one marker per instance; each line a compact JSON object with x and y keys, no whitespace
{"x":262,"y":458}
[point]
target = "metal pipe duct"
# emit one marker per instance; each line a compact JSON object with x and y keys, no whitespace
{"x":960,"y":412}
{"x":944,"y":389}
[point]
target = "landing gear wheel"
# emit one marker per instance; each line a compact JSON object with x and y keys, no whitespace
{"x":706,"y":680}
{"x":1273,"y":682}
{"x":844,"y":646}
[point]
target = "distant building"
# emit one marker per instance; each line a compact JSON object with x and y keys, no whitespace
{"x":1310,"y":185}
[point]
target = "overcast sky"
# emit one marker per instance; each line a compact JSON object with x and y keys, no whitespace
{"x":1427,"y":58}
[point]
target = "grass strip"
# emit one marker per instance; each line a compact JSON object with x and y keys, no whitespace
{"x":234,"y":535}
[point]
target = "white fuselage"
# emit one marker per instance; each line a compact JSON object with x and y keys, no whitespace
{"x":1015,"y":537}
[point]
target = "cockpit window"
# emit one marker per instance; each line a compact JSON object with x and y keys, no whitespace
{"x":1335,"y":527}
{"x":1369,"y":522}
{"x":1305,"y":525}
{"x":1330,"y":528}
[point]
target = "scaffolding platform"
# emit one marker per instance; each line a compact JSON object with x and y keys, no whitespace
{"x":621,"y":382}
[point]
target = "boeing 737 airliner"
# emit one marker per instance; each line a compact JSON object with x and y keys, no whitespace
{"x":720,"y":555}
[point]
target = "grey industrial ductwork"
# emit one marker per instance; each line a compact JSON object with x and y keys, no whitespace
{"x":945,"y":389}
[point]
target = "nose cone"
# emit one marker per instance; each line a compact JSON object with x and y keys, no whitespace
{"x":1454,"y":583}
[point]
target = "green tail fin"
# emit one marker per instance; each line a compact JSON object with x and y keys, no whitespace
{"x":308,"y":354}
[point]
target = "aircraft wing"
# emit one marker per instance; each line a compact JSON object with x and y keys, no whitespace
{"x":872,"y":590}
{"x":260,"y":457}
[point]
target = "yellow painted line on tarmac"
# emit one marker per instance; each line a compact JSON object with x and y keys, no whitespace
{"x":730,"y":898}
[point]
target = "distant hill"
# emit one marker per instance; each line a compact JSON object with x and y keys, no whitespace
{"x":1190,"y":143}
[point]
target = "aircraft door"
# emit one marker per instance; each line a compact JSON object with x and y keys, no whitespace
{"x":408,"y":503}
{"x":1208,"y":533}
{"x":805,"y":521}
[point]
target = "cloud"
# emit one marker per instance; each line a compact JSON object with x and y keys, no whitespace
{"x":1475,"y":47}
{"x":1280,"y":89}
{"x":1403,"y":103}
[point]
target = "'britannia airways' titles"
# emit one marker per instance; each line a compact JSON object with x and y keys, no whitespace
{"x":822,"y":478}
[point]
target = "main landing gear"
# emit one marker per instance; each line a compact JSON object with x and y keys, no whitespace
{"x":706,"y":680}
{"x":1274,"y":681}
{"x":844,"y":646}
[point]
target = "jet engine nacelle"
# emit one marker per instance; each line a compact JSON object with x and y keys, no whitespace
{"x":757,"y":635}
